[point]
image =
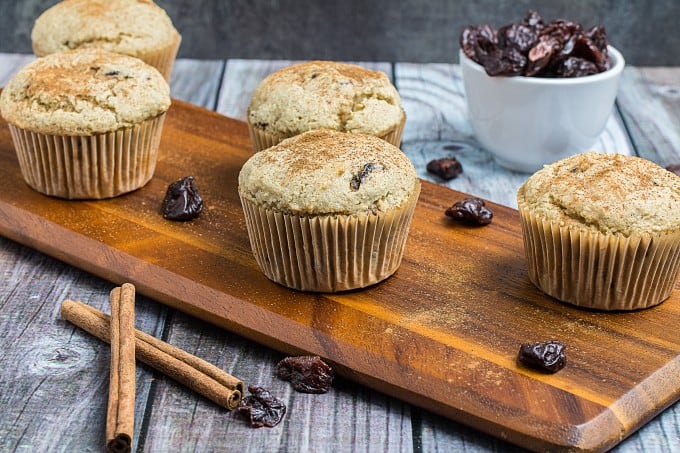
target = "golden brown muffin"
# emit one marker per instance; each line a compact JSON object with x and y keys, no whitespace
{"x":86,"y":123}
{"x":324,"y":95}
{"x":327,"y":210}
{"x":602,"y":231}
{"x":138,"y":28}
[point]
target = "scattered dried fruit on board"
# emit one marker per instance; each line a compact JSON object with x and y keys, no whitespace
{"x":182,"y":200}
{"x":548,"y":356}
{"x":308,"y":374}
{"x":261,"y":408}
{"x":470,"y":210}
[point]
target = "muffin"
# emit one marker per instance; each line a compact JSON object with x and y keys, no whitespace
{"x":86,"y":123}
{"x":602,"y":231}
{"x":138,"y":28}
{"x":328,"y":211}
{"x":324,"y":95}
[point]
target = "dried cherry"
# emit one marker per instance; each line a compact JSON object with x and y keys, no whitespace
{"x":520,"y":36}
{"x":308,"y":374}
{"x":546,"y":356}
{"x":446,"y":168}
{"x":560,"y":48}
{"x":357,"y":179}
{"x":182,"y":200}
{"x":471,"y":210}
{"x":261,"y":408}
{"x":575,"y":67}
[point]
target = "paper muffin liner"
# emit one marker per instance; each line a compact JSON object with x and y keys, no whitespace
{"x":162,"y":59}
{"x":394,"y":136}
{"x":328,"y":253}
{"x":263,"y":140}
{"x":89,"y":167}
{"x":596,"y":270}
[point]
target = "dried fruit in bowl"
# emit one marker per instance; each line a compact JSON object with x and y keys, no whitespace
{"x":534,"y":48}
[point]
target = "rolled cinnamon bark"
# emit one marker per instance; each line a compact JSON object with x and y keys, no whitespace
{"x":120,"y":416}
{"x":189,"y":370}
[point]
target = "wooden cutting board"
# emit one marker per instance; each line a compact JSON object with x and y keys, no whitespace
{"x":442,"y":333}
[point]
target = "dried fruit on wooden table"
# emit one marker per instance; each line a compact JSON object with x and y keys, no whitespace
{"x":308,"y":374}
{"x":261,"y":408}
{"x":470,"y":210}
{"x":446,"y":168}
{"x":547,"y":356}
{"x":182,"y":200}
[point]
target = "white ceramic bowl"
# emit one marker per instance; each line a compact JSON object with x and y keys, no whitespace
{"x":527,"y":122}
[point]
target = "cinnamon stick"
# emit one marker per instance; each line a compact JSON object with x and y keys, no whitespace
{"x":120,"y":416}
{"x":189,"y":370}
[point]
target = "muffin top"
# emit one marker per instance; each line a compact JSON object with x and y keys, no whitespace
{"x":84,"y":92}
{"x":325,"y":94}
{"x":132,"y":27}
{"x":610,"y":193}
{"x":325,"y":172}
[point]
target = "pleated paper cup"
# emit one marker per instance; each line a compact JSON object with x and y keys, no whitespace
{"x":394,"y":136}
{"x":163,"y":58}
{"x":263,"y":140}
{"x":328,"y":253}
{"x":89,"y":167}
{"x":601,"y":271}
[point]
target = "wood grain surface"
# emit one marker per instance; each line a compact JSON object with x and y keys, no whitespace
{"x":442,"y":333}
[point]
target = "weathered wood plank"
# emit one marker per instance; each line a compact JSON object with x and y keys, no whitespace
{"x":346,"y":417}
{"x":437,"y":126}
{"x":10,"y":63}
{"x":649,"y":102}
{"x":54,"y":379}
{"x":241,"y":77}
{"x":196,"y":81}
{"x":660,"y":434}
{"x":440,"y":435}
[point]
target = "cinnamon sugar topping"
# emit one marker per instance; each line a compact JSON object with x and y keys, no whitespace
{"x":325,"y":94}
{"x":315,"y":172}
{"x":605,"y":192}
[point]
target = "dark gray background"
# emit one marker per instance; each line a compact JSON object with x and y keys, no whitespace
{"x":646,"y":31}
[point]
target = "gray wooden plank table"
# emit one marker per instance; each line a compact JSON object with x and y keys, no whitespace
{"x":54,"y":377}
